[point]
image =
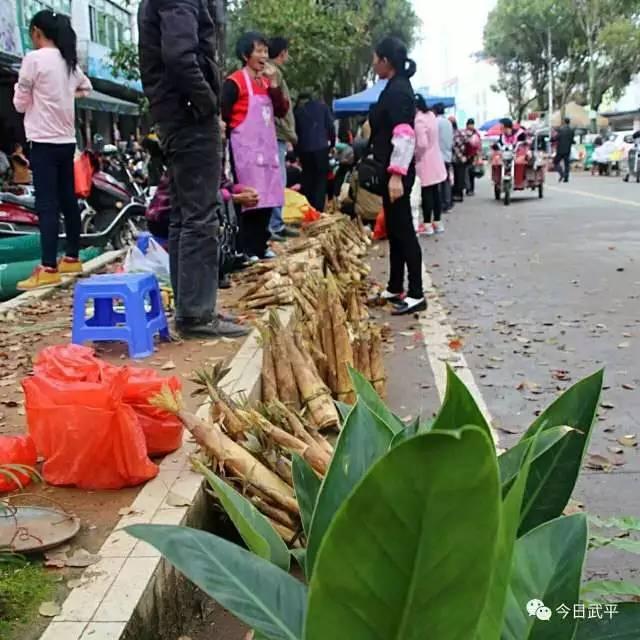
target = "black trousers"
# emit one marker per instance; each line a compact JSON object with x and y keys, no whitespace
{"x":315,"y":169}
{"x":52,"y":166}
{"x":431,"y":206}
{"x":254,"y":231}
{"x":404,"y":248}
{"x":446,"y":198}
{"x":193,"y":157}
{"x":471,"y":178}
{"x":563,"y":165}
{"x":459,"y":180}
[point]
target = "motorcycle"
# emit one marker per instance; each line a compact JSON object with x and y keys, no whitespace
{"x":633,"y":167}
{"x":113,"y":213}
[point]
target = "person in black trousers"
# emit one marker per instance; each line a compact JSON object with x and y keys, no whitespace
{"x":564,"y":139}
{"x":177,"y":48}
{"x":316,"y":135}
{"x":393,"y":146}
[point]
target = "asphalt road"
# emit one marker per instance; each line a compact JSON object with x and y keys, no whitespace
{"x":531,"y":290}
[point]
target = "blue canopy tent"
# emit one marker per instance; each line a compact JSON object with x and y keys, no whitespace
{"x":489,"y":123}
{"x":360,"y":103}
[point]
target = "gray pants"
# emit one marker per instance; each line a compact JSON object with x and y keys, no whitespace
{"x":193,"y":157}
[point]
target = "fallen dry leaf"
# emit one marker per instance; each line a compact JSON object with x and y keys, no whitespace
{"x":624,"y":345}
{"x":598,"y":462}
{"x":616,"y":450}
{"x":607,"y":405}
{"x":82,"y":558}
{"x":560,"y":374}
{"x":49,"y":609}
{"x":126,"y":511}
{"x":629,"y":440}
{"x":573,"y":507}
{"x":628,"y":386}
{"x":456,"y":344}
{"x":168,"y":365}
{"x":72,"y":584}
{"x":508,"y":430}
{"x":175,"y":500}
{"x":56,"y":560}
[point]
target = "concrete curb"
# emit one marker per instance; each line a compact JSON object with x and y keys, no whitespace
{"x":120,"y":598}
{"x":38,"y":294}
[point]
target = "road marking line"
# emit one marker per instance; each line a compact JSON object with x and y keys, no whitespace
{"x":436,"y":333}
{"x":595,"y":196}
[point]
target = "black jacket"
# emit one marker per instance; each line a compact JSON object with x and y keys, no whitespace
{"x":177,"y":47}
{"x":564,"y":140}
{"x":314,"y":126}
{"x":396,"y":105}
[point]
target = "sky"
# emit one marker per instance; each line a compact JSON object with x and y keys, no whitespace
{"x":451,"y":31}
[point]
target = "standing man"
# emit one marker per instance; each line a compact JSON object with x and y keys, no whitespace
{"x":181,"y":80}
{"x":316,"y":135}
{"x":473,"y":146}
{"x":285,"y":132}
{"x":564,"y":141}
{"x":445,"y":135}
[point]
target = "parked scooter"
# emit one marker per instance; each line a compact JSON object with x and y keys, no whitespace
{"x":113,"y":213}
{"x":633,"y":165}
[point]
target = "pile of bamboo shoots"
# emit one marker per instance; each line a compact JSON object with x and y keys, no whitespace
{"x":252,"y":448}
{"x":334,"y":244}
{"x":331,"y":332}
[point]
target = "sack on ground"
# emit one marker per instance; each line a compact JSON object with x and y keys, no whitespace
{"x":16,"y":450}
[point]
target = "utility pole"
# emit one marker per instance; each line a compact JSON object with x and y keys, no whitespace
{"x":550,"y":61}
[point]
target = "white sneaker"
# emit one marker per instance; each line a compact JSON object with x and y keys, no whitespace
{"x":428,"y":229}
{"x":387,"y":296}
{"x":438,"y":227}
{"x":269,"y":254}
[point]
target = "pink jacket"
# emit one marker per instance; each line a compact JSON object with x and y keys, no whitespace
{"x":429,"y":164}
{"x":45,"y":93}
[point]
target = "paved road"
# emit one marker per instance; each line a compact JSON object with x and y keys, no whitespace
{"x":537,"y":287}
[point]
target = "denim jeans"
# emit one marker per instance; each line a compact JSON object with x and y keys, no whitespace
{"x":276,"y":223}
{"x":193,"y":157}
{"x":52,"y":166}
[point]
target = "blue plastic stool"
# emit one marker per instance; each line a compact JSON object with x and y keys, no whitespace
{"x":136,"y":326}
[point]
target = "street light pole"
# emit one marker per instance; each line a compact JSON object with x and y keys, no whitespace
{"x":549,"y":59}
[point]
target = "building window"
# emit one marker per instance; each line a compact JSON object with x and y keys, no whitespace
{"x":28,"y":8}
{"x":109,"y":23}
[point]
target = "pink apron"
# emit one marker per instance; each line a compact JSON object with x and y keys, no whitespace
{"x":255,"y":151}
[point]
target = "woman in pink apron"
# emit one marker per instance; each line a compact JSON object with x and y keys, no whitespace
{"x":250,"y":104}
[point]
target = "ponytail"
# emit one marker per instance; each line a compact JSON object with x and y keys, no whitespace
{"x":395,"y":52}
{"x":57,"y":28}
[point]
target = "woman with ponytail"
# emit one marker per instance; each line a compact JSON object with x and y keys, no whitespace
{"x":393,"y":144}
{"x":47,"y":86}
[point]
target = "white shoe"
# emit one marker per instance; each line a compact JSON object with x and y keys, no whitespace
{"x":269,"y":254}
{"x":253,"y":259}
{"x":428,"y":229}
{"x":387,"y":296}
{"x":438,"y":227}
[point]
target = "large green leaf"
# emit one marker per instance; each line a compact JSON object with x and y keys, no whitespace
{"x":262,"y":595}
{"x":364,"y":439}
{"x":307,"y":486}
{"x":366,"y":393}
{"x":623,"y":624}
{"x":409,"y":554}
{"x":552,"y":481}
{"x":410,"y":431}
{"x":491,"y":622}
{"x":459,"y":407}
{"x":547,"y":566}
{"x":344,"y":409}
{"x":256,"y":531}
{"x":511,"y":460}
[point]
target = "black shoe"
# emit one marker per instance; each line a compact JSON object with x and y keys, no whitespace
{"x":278,"y":236}
{"x":224,"y":282}
{"x":215,"y":328}
{"x":471,"y":193}
{"x":289,"y":232}
{"x":409,"y":305}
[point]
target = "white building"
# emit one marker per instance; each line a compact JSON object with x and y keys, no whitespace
{"x":474,"y":95}
{"x":101,"y":26}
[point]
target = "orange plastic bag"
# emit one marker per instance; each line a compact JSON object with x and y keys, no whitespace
{"x":380,"y":229}
{"x":82,"y":175}
{"x":162,"y":430}
{"x":16,"y":450}
{"x":80,"y":423}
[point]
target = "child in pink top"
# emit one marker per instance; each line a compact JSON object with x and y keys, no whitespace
{"x":48,"y":83}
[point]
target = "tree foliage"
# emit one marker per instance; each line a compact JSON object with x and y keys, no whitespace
{"x":331,"y":41}
{"x":595,"y":49}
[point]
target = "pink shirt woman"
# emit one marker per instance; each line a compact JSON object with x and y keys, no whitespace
{"x":429,"y":164}
{"x":47,"y":86}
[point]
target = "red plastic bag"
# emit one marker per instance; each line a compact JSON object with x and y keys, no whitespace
{"x":80,"y":423}
{"x":82,"y":175}
{"x":162,"y":430}
{"x":16,"y":450}
{"x":380,"y":229}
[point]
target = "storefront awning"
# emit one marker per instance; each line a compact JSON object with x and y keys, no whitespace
{"x":97,"y":101}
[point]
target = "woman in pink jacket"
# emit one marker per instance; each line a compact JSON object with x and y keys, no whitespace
{"x":48,"y":83}
{"x":430,"y":168}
